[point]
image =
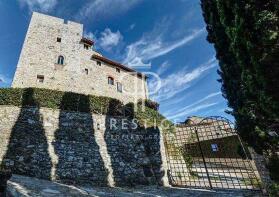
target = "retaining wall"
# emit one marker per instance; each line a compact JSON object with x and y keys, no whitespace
{"x":80,"y":147}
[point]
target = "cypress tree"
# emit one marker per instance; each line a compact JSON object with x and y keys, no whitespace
{"x":245,"y":34}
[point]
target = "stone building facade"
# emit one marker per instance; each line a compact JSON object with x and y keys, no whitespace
{"x":55,"y":55}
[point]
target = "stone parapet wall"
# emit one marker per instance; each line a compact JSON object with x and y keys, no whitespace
{"x":80,"y":147}
{"x":260,"y":163}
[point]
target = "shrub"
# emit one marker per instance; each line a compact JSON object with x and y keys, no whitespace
{"x":69,"y":101}
{"x":59,"y":100}
{"x":10,"y":96}
{"x":273,"y":166}
{"x":273,"y":190}
{"x":149,"y":103}
{"x":130,"y":110}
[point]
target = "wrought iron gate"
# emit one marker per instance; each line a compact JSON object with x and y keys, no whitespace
{"x":209,"y":154}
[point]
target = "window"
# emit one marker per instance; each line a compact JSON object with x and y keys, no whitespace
{"x":99,"y":63}
{"x":119,"y":87}
{"x":86,"y":71}
{"x":214,"y":147}
{"x":86,"y":46}
{"x":60,"y":60}
{"x":58,"y":39}
{"x":110,"y":81}
{"x":118,"y":70}
{"x":40,"y":78}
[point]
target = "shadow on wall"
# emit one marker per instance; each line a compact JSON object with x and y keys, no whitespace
{"x":27,"y":152}
{"x":134,"y":152}
{"x":153,"y":152}
{"x":79,"y":158}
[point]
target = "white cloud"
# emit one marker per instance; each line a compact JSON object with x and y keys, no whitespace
{"x":132,"y":26}
{"x":137,"y":63}
{"x":153,"y":46}
{"x":194,"y":104}
{"x":109,"y":39}
{"x":178,"y":82}
{"x":5,"y":81}
{"x":89,"y":35}
{"x":40,"y":5}
{"x":96,"y":9}
{"x":163,"y":68}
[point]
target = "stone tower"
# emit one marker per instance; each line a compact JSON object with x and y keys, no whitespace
{"x":55,"y":55}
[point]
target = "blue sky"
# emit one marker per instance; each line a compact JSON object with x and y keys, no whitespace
{"x":167,"y":38}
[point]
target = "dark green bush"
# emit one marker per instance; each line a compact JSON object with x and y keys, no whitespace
{"x":69,"y":101}
{"x":130,"y":110}
{"x":53,"y":99}
{"x":10,"y":96}
{"x":149,"y":103}
{"x":273,"y":166}
{"x":273,"y":190}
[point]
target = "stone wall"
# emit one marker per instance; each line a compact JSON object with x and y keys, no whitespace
{"x":260,"y":163}
{"x":80,"y":147}
{"x":80,"y":73}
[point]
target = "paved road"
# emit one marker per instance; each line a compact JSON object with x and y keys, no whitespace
{"x":20,"y":186}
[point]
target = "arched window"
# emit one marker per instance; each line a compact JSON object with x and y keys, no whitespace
{"x":110,"y":81}
{"x":60,"y":60}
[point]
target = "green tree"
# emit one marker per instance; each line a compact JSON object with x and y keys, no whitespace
{"x":245,"y":34}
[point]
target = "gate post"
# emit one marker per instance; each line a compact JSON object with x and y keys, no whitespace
{"x":164,"y":167}
{"x":5,"y":176}
{"x":196,"y":132}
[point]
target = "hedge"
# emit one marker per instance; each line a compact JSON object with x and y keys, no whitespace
{"x":70,"y":101}
{"x":58,"y":100}
{"x":149,"y":103}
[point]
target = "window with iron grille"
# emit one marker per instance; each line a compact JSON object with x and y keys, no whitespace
{"x":119,"y":87}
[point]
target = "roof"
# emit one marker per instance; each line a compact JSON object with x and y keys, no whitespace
{"x":116,"y":64}
{"x":193,"y":120}
{"x":87,"y":41}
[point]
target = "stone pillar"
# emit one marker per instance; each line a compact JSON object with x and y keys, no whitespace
{"x":164,"y":168}
{"x":259,"y":162}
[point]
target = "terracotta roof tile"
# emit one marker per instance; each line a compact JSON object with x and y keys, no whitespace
{"x":87,"y":41}
{"x":116,"y":64}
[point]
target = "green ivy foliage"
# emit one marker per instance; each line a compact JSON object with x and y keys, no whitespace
{"x":245,"y":35}
{"x":146,"y":116}
{"x":149,"y":103}
{"x":53,"y":99}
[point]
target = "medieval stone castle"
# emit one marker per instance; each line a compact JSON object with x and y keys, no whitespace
{"x":55,"y":55}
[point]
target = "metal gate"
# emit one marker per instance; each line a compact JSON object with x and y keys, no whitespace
{"x":209,"y":154}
